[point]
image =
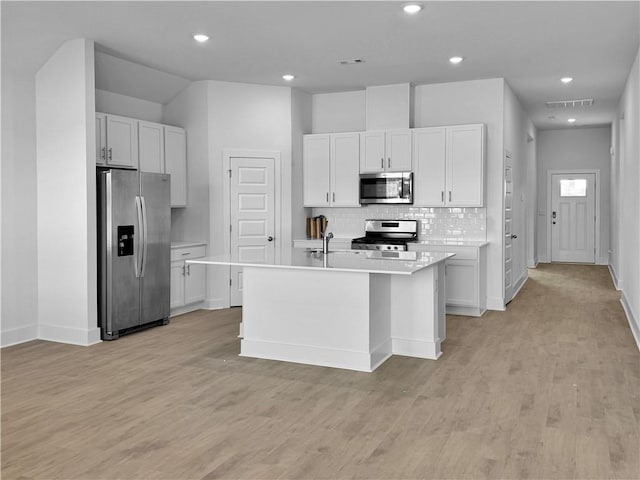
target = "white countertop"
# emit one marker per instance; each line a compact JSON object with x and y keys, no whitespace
{"x":394,"y":263}
{"x":187,"y":244}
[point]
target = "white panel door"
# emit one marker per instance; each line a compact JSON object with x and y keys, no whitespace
{"x":345,"y":170}
{"x":398,"y":150}
{"x":429,"y":146}
{"x":122,"y":141}
{"x":150,"y":147}
{"x":465,"y":164}
{"x":316,"y":153}
{"x":252,"y":216}
{"x":573,"y":218}
{"x":508,"y":229}
{"x":372,"y":152}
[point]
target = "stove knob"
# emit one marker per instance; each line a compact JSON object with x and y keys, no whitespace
{"x":388,"y":248}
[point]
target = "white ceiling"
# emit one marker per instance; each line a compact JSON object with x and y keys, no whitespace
{"x":531,"y":44}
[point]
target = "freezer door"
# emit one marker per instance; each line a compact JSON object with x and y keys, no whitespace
{"x":156,"y":261}
{"x":119,"y":253}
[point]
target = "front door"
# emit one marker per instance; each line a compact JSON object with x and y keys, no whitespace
{"x":573,"y":218}
{"x":252,"y":216}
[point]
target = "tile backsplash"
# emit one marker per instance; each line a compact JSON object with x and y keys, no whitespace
{"x":434,"y":223}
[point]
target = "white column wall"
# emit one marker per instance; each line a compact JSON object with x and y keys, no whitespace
{"x":66,"y":186}
{"x":628,"y":228}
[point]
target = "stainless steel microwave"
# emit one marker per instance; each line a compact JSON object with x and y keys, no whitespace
{"x":391,"y":187}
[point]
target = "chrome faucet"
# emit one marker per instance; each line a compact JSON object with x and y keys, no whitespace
{"x":325,"y":242}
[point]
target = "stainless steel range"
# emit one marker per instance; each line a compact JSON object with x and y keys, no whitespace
{"x":386,"y":235}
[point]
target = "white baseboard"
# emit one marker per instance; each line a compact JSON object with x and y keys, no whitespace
{"x":532,"y":263}
{"x":631,"y":318}
{"x":520,"y":283}
{"x":416,"y":348}
{"x":614,"y":276}
{"x":215,"y":304}
{"x":74,"y":336}
{"x":494,"y":303}
{"x":187,"y":308}
{"x":544,"y":259}
{"x":18,"y":335}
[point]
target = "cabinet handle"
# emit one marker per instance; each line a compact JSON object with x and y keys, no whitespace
{"x":327,"y":197}
{"x":110,"y":153}
{"x":442,"y":196}
{"x":389,"y":163}
{"x":334,"y":196}
{"x":184,"y":270}
{"x":382,"y":163}
{"x":103,"y":154}
{"x":449,"y":195}
{"x":188,"y":269}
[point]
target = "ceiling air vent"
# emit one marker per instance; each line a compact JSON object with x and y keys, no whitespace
{"x":585,"y":102}
{"x":352,"y":61}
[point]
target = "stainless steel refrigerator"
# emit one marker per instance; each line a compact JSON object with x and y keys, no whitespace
{"x":134,"y":222}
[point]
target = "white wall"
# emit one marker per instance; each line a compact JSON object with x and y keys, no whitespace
{"x":573,"y":149}
{"x":190,"y":110}
{"x":301,"y":124}
{"x":65,"y":127}
{"x":244,"y":116}
{"x":517,"y":129}
{"x":628,"y":184}
{"x":126,"y":106}
{"x":477,"y":101}
{"x":339,"y":112}
{"x":19,"y":314}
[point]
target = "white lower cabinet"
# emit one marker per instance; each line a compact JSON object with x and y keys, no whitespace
{"x":466,"y":290}
{"x":188,"y":282}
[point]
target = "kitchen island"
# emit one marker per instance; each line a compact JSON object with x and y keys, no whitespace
{"x":345,"y":309}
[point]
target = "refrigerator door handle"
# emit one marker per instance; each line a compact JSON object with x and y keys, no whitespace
{"x":144,"y":237}
{"x":140,"y":250}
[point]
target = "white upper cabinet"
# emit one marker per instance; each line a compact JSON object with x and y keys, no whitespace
{"x":121,"y":141}
{"x":465,"y":165}
{"x":150,"y":147}
{"x":449,"y":166}
{"x":345,"y":171}
{"x":331,"y":170}
{"x":316,"y":155}
{"x":175,"y":148}
{"x":388,"y":151}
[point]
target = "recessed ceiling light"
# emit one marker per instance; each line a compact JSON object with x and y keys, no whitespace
{"x":200,"y":37}
{"x":571,"y":120}
{"x":456,"y":60}
{"x":288,"y":77}
{"x":412,"y":8}
{"x":566,"y":79}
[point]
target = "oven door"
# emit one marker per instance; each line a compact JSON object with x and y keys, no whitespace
{"x":386,"y":188}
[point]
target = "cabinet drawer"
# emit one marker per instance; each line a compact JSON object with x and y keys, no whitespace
{"x":187,"y":253}
{"x":462,"y":253}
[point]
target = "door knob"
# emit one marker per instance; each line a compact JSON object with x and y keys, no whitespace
{"x":270,"y":239}
{"x":514,"y":236}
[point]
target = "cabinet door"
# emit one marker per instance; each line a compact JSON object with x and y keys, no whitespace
{"x":316,"y":153}
{"x":177,"y":285}
{"x":462,"y":282}
{"x":398,"y":151}
{"x":101,"y":138}
{"x":122,"y":141}
{"x":175,"y":149}
{"x":345,"y":170}
{"x":465,"y":166}
{"x":194,"y":284}
{"x":150,"y":147}
{"x":372,"y":152}
{"x":429,"y":159}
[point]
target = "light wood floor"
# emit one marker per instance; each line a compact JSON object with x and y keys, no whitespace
{"x":548,"y":389}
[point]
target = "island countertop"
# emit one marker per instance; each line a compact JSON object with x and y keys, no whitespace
{"x":366,"y":261}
